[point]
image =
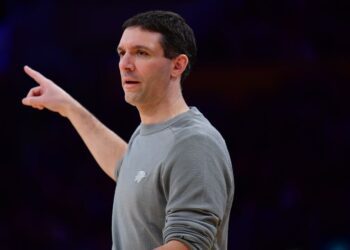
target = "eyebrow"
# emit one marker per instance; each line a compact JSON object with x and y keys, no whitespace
{"x":135,"y":47}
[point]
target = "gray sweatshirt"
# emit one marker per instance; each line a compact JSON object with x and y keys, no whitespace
{"x":174,"y":183}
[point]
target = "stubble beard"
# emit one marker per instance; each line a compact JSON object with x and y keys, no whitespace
{"x":132,"y":98}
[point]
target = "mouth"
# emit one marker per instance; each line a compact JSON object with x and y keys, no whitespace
{"x":131,"y":82}
{"x":131,"y":85}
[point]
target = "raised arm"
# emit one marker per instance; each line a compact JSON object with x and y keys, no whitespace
{"x":106,"y":147}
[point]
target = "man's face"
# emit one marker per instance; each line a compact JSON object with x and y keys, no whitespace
{"x":145,"y":72}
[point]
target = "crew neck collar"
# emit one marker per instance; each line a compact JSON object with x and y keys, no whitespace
{"x":147,"y":129}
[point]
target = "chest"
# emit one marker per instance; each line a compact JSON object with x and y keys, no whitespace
{"x":140,"y":181}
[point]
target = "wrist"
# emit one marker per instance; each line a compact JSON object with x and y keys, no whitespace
{"x":71,"y":109}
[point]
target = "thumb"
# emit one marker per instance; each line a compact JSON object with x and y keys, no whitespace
{"x":31,"y":101}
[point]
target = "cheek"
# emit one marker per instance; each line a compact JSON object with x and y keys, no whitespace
{"x":156,"y":71}
{"x":164,"y":70}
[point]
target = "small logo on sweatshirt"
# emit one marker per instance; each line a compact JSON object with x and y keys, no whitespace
{"x":139,"y":176}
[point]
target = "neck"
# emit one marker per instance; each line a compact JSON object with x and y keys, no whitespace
{"x":163,"y":111}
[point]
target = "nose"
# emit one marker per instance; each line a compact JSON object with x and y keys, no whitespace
{"x":126,"y":63}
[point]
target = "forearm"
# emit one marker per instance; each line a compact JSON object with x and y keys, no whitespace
{"x":173,"y":245}
{"x":106,"y":147}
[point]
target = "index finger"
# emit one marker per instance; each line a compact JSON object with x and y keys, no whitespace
{"x":39,"y":78}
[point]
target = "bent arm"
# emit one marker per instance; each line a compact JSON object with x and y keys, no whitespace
{"x":106,"y":147}
{"x":198,"y":181}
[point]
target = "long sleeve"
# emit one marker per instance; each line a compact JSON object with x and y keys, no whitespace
{"x":197,"y":180}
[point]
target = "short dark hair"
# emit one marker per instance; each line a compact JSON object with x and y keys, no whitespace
{"x":177,"y":36}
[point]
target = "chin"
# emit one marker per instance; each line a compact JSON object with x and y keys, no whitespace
{"x":130,"y":100}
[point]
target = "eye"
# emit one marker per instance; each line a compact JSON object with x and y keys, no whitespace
{"x":142,"y":53}
{"x":121,"y":53}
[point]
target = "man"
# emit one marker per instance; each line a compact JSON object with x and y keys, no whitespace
{"x":174,"y":181}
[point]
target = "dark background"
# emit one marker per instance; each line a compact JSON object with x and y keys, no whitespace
{"x":272,"y":76}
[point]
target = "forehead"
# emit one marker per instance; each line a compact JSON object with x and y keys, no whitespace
{"x":138,"y":37}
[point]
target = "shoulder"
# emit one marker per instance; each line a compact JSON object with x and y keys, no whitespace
{"x":198,"y":156}
{"x":195,"y":130}
{"x":196,"y":137}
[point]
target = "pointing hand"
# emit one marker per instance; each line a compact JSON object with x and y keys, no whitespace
{"x":47,"y":94}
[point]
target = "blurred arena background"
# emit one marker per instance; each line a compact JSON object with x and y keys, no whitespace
{"x":272,"y":76}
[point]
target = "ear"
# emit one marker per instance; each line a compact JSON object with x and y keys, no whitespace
{"x":179,"y":65}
